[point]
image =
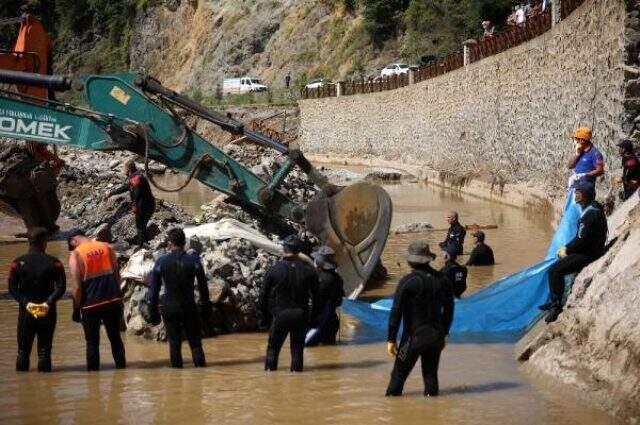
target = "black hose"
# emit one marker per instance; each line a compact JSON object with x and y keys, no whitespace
{"x":51,"y":82}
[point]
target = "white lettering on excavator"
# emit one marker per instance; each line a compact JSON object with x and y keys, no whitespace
{"x":36,"y":129}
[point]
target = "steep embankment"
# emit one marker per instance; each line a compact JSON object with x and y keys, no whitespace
{"x":595,"y":345}
{"x":195,"y":44}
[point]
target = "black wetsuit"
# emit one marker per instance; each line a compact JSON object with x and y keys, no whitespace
{"x":586,"y":247}
{"x":423,"y":302}
{"x":36,"y":277}
{"x":457,"y":275}
{"x":177,"y":271}
{"x":290,"y":286}
{"x":330,"y":293}
{"x":455,"y":237}
{"x":143,"y":203}
{"x":481,"y":255}
{"x":630,"y":175}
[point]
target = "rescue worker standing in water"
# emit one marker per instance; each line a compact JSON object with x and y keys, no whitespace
{"x":177,"y":271}
{"x":96,"y":295}
{"x":456,"y":273}
{"x":423,"y":302}
{"x":290,"y":286}
{"x":587,"y":246}
{"x":455,"y":234}
{"x":36,"y":281}
{"x":143,"y":204}
{"x":330,"y":294}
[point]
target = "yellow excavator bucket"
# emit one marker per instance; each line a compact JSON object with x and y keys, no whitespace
{"x":355,"y":223}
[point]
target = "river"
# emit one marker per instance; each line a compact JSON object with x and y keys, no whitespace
{"x":480,"y":383}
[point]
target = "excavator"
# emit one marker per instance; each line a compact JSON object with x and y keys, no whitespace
{"x":136,"y":113}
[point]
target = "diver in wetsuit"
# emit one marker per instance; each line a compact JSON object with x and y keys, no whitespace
{"x":330,"y":293}
{"x":143,"y":204}
{"x":177,"y":271}
{"x":289,"y":287}
{"x":423,"y":302}
{"x":36,"y":281}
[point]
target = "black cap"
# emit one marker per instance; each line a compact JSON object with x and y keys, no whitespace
{"x":72,"y":234}
{"x":479,"y":234}
{"x":626,"y":144}
{"x":292,"y":243}
{"x":586,"y":187}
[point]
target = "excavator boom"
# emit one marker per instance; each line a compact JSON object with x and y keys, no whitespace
{"x":136,"y":113}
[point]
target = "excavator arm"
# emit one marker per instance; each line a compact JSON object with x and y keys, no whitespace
{"x":136,"y":113}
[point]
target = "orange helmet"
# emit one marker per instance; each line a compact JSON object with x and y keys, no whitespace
{"x":582,"y":133}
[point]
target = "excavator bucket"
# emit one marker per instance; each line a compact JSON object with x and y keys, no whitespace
{"x":355,"y":223}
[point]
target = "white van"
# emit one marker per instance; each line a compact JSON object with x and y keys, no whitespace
{"x":242,"y":85}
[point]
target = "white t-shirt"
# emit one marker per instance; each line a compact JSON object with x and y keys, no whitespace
{"x":520,"y":16}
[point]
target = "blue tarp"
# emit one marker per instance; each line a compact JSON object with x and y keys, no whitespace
{"x":502,"y":310}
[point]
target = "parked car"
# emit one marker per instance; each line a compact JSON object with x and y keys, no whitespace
{"x":394,"y":69}
{"x":317,"y":83}
{"x":242,"y":85}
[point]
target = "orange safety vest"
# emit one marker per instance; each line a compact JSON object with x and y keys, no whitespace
{"x":99,"y":285}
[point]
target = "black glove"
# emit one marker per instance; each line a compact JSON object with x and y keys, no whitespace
{"x":76,"y":316}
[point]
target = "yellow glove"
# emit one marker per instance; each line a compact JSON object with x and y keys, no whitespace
{"x":617,"y":179}
{"x":38,"y":310}
{"x":562,"y":252}
{"x":392,"y":349}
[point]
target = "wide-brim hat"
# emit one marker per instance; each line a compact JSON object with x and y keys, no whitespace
{"x":325,"y":257}
{"x":419,"y":252}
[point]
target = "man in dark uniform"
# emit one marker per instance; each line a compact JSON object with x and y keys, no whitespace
{"x":330,"y":293}
{"x":143,"y":204}
{"x":455,"y":234}
{"x":36,"y":281}
{"x":587,"y":246}
{"x":482,"y":254}
{"x":456,"y":273}
{"x":630,"y":169}
{"x":177,"y":271}
{"x":423,"y":302}
{"x":289,"y":287}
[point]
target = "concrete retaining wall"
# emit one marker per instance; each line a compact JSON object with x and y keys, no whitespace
{"x":506,"y":119}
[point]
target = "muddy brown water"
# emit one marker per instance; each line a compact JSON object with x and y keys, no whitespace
{"x":480,"y":384}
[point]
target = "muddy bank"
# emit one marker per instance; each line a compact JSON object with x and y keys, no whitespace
{"x":595,"y":344}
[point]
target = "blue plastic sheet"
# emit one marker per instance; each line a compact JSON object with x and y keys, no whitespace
{"x":500,"y":311}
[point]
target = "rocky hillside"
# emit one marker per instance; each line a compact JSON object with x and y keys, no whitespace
{"x":193,"y":45}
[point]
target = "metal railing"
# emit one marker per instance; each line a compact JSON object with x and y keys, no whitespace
{"x":487,"y":46}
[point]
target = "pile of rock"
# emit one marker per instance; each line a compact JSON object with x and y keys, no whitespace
{"x":234,"y":267}
{"x":82,"y":187}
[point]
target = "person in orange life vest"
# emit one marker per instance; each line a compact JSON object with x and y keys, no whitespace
{"x":97,"y":299}
{"x":143,"y":204}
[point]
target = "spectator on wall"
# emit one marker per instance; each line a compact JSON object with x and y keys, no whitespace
{"x":520,"y":16}
{"x":488,"y":29}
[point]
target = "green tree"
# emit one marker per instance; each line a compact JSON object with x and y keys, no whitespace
{"x":383,"y":19}
{"x":438,"y":27}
